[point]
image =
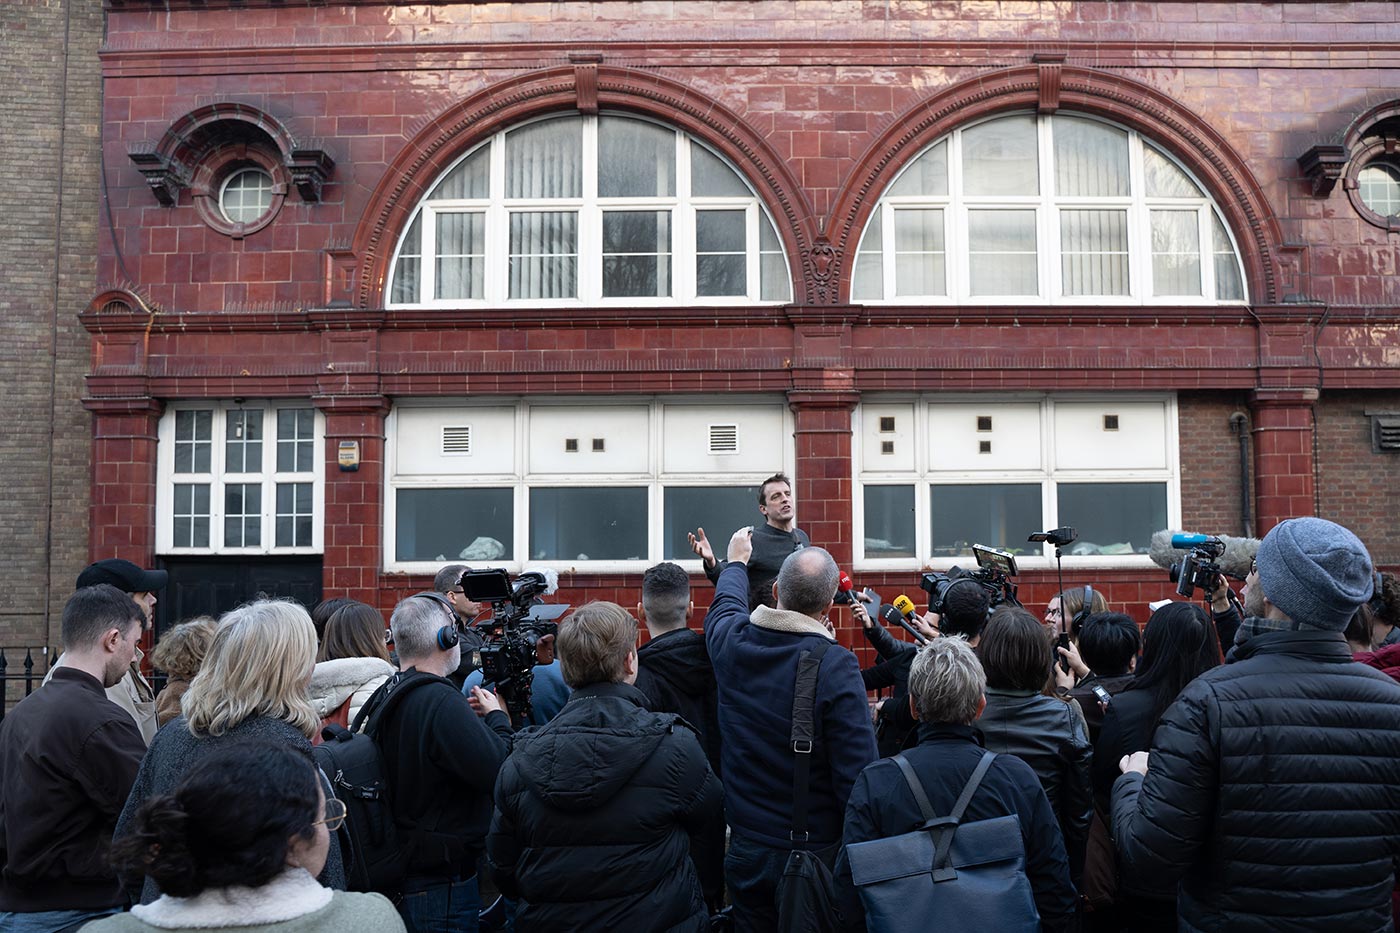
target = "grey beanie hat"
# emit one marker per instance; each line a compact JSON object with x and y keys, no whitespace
{"x":1315,"y":571}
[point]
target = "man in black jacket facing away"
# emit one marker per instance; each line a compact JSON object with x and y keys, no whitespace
{"x":594,"y":810}
{"x":1271,"y":785}
{"x":441,"y":761}
{"x":675,"y":673}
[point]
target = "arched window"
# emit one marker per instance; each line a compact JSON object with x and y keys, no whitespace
{"x":589,"y":210}
{"x":1047,"y":209}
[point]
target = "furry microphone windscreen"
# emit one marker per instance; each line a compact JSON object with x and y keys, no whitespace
{"x":1239,"y":552}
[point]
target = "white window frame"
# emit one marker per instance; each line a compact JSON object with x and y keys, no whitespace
{"x":1047,"y":206}
{"x":921,"y":477}
{"x":655,"y":479}
{"x":590,"y":209}
{"x":268,"y":477}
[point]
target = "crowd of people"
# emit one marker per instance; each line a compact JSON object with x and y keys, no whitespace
{"x":1230,"y":767}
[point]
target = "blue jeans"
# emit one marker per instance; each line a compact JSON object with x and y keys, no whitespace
{"x":51,"y":921}
{"x":752,"y":871}
{"x":440,"y":905}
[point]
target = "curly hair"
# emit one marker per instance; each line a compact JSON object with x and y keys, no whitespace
{"x":180,"y":651}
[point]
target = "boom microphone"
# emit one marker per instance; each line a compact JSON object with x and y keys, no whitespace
{"x":1167,"y":546}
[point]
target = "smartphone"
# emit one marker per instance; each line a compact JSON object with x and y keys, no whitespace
{"x":1062,"y":641}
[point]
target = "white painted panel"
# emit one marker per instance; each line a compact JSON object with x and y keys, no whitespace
{"x":1083,"y":443}
{"x":956,"y":444}
{"x":419,"y":441}
{"x":686,"y":433}
{"x":885,"y":451}
{"x":622,"y":431}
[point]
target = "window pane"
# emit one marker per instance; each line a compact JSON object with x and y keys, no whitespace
{"x":1379,"y":184}
{"x":1176,"y":253}
{"x":294,"y":515}
{"x":635,"y":159}
{"x":720,"y":263}
{"x":295,"y":440}
{"x":711,"y":176}
{"x":455,"y":524}
{"x":889,"y":521}
{"x":1229,"y":285}
{"x":1001,"y":247}
{"x":1091,"y":159}
{"x":243,"y":442}
{"x":999,"y":515}
{"x":469,"y":180}
{"x":406,"y":270}
{"x":544,"y":254}
{"x":927,"y":176}
{"x":246,"y":196}
{"x":1113,"y":518}
{"x":1165,"y":179}
{"x":461,"y":248}
{"x":1094,"y":252}
{"x":774,"y":284}
{"x":588,"y":523}
{"x":919,"y":253}
{"x":868,"y":283}
{"x":242,"y":515}
{"x":1000,"y":157}
{"x":545,"y":160}
{"x":720,"y":510}
{"x":636,"y":254}
{"x":194,"y":435}
{"x":191,"y":515}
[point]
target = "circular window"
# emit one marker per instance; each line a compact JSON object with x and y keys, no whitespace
{"x":246,"y":195}
{"x":1379,"y":184}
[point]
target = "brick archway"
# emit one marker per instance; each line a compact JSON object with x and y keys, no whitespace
{"x":584,"y":88}
{"x":1050,"y":87}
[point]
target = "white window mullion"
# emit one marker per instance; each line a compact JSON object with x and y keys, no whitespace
{"x":1047,"y":219}
{"x":1206,"y":237}
{"x":497,"y":227}
{"x":751,"y":258}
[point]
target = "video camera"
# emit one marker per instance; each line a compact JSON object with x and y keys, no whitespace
{"x":994,"y":572}
{"x":512,"y":635}
{"x":1199,"y":569}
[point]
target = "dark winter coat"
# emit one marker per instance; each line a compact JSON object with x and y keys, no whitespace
{"x":755,"y":661}
{"x":882,"y":805}
{"x":593,"y":816}
{"x":1271,"y":792}
{"x":674,"y":671}
{"x":1049,"y":735}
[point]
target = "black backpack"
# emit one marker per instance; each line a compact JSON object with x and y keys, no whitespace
{"x":376,"y":849}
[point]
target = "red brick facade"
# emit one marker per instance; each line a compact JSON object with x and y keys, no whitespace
{"x":819,"y":104}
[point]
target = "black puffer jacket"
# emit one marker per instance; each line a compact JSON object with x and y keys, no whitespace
{"x":593,"y":815}
{"x":1049,"y":735}
{"x":1272,"y":792}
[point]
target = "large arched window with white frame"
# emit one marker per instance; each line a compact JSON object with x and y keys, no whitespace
{"x":583,"y":210}
{"x":1054,"y":209}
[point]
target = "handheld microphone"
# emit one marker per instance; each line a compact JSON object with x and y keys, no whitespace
{"x":892,"y":616}
{"x":845,"y":589}
{"x":905,"y":605}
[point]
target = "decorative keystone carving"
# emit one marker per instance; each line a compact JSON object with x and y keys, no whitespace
{"x":1324,"y":165}
{"x":586,"y":80}
{"x":1048,"y":68}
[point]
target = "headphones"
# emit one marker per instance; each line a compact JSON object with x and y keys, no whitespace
{"x":1085,"y":610}
{"x":447,"y":636}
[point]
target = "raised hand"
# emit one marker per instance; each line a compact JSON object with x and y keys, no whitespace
{"x":701,"y":546}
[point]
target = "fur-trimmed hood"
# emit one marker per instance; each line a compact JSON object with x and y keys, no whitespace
{"x":292,"y":894}
{"x":334,"y":682}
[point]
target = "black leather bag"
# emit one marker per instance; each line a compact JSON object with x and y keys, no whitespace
{"x":947,"y":875}
{"x":805,"y":900}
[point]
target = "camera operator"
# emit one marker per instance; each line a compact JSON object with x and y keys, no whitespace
{"x":441,"y":760}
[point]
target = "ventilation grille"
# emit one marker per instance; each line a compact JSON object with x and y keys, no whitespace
{"x":1385,"y":431}
{"x":457,"y":440}
{"x":724,"y":438}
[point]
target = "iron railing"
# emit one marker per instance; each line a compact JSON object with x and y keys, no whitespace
{"x":28,"y":674}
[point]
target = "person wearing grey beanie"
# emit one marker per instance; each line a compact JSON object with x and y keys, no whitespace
{"x":1268,"y":796}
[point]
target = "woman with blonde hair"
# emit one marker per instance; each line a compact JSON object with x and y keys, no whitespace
{"x":253,"y":685}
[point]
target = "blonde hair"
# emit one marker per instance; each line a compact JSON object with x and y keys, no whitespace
{"x":593,"y":644}
{"x":181,"y":651}
{"x":259,"y":664}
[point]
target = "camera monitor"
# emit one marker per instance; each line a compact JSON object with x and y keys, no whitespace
{"x":486,"y":586}
{"x":1001,"y":561}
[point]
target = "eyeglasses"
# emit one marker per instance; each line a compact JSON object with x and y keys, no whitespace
{"x":335,"y":814}
{"x":1254,"y":567}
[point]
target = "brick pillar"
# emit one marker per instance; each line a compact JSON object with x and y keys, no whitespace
{"x":354,"y":515}
{"x":1283,"y":454}
{"x":123,"y":510}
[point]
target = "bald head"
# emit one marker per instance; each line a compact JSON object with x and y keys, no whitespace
{"x":807,"y":582}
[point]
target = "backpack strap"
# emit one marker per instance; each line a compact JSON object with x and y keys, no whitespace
{"x":916,"y":788}
{"x":389,"y":695}
{"x":803,"y":735}
{"x":942,"y":869}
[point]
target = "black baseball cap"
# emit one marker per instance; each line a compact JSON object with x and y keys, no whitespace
{"x":124,"y":575}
